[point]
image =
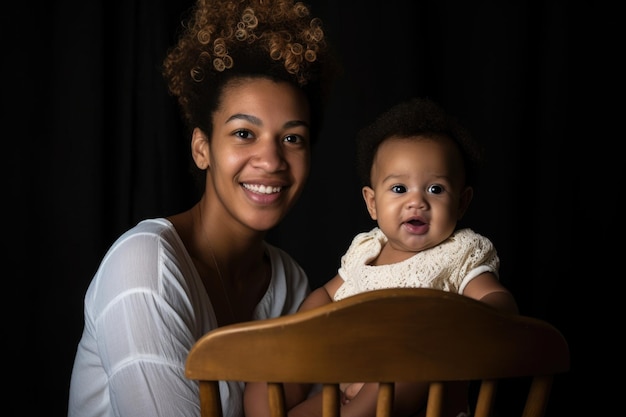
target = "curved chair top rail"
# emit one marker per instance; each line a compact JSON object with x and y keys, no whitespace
{"x":440,"y":333}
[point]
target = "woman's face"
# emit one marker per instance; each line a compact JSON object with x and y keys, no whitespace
{"x":259,"y":155}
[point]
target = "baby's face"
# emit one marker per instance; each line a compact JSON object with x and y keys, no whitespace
{"x":418,"y":191}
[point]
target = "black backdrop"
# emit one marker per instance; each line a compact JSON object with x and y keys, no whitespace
{"x":102,"y":146}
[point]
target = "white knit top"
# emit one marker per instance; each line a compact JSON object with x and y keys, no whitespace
{"x":448,"y":266}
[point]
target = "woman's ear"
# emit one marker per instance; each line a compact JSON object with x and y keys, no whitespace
{"x":466,"y":197}
{"x":200,"y":149}
{"x":370,"y":201}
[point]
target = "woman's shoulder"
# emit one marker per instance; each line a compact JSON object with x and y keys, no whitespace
{"x":145,"y":269}
{"x":146,"y":258}
{"x":148,"y":231}
{"x":155,"y":226}
{"x":146,"y":245}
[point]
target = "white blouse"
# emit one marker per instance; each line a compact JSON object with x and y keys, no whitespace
{"x":144,"y":309}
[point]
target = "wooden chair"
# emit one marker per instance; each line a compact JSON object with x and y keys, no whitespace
{"x":412,"y":334}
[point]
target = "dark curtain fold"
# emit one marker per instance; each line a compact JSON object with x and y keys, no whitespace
{"x":110,"y":149}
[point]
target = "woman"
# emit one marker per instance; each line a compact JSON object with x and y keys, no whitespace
{"x":250,"y":77}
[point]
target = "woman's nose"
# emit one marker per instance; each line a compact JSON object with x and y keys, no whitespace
{"x":269,"y":156}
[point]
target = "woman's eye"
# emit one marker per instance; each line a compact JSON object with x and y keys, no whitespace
{"x":243,"y":134}
{"x":293,"y":138}
{"x":398,"y":189}
{"x":435,"y":189}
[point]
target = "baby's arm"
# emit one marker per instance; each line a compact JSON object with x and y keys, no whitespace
{"x":256,"y":401}
{"x":409,"y":397}
{"x":322,"y":295}
{"x":487,"y":288}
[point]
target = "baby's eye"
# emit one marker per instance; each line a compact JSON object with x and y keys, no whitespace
{"x":398,"y":189}
{"x":435,"y":189}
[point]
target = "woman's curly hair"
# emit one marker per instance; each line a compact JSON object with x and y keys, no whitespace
{"x":277,"y":39}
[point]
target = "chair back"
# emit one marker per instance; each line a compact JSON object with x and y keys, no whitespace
{"x":385,"y":336}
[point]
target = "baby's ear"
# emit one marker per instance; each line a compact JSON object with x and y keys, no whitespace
{"x":368,"y":195}
{"x":466,"y":197}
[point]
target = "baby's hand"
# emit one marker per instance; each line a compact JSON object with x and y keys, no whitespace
{"x":349,"y":390}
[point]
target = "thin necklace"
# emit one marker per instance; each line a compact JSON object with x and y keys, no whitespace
{"x":219,"y":275}
{"x":219,"y":272}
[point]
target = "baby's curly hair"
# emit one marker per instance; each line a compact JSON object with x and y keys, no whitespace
{"x":221,"y":40}
{"x":415,"y":117}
